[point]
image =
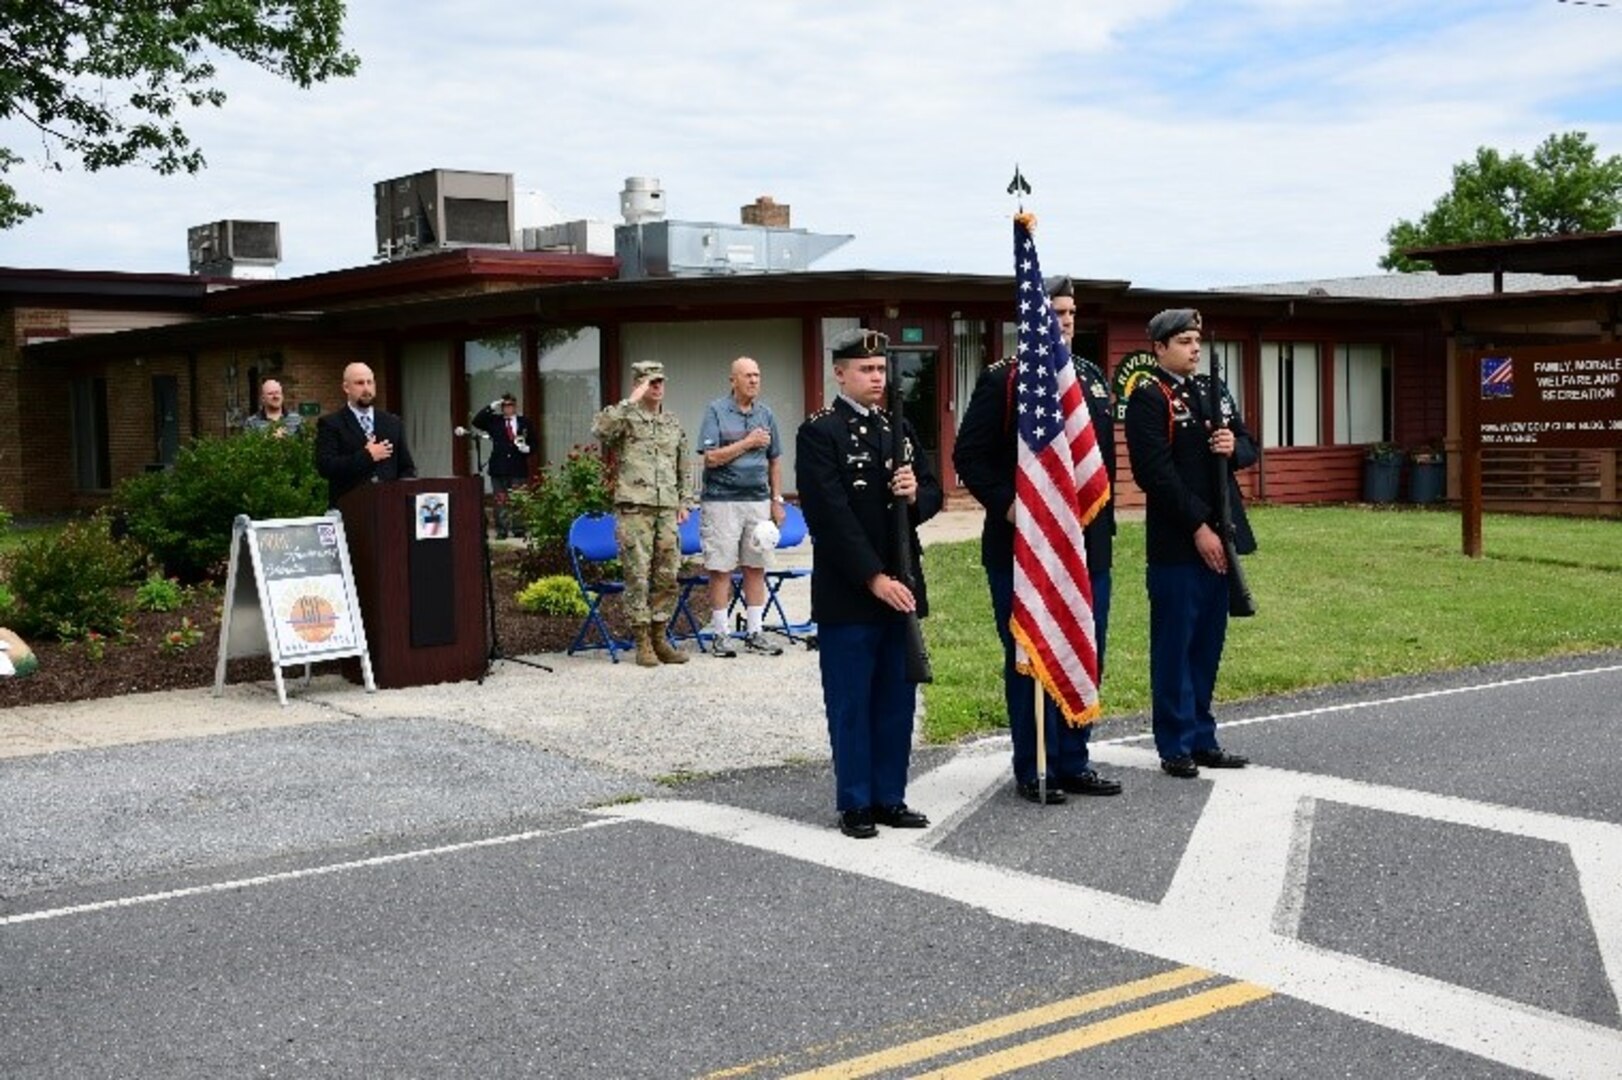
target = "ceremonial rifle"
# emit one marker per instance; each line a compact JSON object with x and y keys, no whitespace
{"x":1240,"y":602}
{"x":919,"y":669}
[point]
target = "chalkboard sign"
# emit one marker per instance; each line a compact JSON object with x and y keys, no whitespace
{"x":302,"y":592}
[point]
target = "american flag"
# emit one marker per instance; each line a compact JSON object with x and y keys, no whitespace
{"x":1060,"y":486}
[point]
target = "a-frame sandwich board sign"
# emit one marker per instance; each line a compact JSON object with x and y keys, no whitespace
{"x":290,"y":593}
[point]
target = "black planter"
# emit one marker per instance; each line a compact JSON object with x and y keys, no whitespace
{"x":1427,"y":482}
{"x":1381,"y":480}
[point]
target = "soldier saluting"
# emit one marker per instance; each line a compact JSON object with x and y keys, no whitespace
{"x":652,"y":485}
{"x":848,"y":471}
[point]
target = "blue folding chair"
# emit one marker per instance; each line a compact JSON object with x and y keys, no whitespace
{"x":684,"y":623}
{"x":592,"y":540}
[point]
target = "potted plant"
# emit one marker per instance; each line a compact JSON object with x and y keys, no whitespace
{"x":1382,"y":472}
{"x":1427,"y":478}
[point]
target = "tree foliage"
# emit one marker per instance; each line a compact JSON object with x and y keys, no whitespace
{"x":1564,"y":188}
{"x":104,"y":82}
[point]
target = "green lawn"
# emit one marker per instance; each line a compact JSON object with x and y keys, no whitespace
{"x":1344,"y":593}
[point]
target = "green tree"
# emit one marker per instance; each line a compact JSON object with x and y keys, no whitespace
{"x":103,"y":81}
{"x":1564,"y":188}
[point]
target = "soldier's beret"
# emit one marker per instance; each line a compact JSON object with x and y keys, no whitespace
{"x":1059,"y":285}
{"x":648,"y":369}
{"x":1171,"y":322}
{"x":858,"y":343}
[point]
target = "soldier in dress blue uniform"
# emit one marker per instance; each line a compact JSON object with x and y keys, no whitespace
{"x":848,"y":471}
{"x":986,"y":456}
{"x":1173,"y":437}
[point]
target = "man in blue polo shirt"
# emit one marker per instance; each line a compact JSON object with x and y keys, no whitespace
{"x":742,"y":488}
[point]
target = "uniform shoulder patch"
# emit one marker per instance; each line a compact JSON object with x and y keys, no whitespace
{"x":1001,"y":365}
{"x":826,"y":410}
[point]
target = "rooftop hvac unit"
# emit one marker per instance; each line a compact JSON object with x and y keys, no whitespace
{"x":443,"y":208}
{"x":695,"y":249}
{"x":234,"y":248}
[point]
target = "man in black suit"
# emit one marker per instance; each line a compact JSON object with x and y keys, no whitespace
{"x":850,"y":474}
{"x":511,"y":444}
{"x":360,"y":444}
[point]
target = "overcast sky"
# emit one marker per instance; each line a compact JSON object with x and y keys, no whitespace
{"x":1173,"y":144}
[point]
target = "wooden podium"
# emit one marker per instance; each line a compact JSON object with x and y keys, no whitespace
{"x":417,"y":553}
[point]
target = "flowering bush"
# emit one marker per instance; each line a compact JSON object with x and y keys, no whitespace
{"x":70,"y":581}
{"x":548,"y":505}
{"x":181,"y":638}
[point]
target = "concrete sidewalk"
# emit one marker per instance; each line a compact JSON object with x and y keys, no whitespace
{"x":651,"y":722}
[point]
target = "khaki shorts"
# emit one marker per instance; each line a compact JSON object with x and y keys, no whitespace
{"x":723,"y":530}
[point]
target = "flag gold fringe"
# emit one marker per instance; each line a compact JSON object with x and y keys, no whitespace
{"x":1034,"y":667}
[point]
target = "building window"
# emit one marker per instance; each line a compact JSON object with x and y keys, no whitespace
{"x":92,"y":459}
{"x":1290,"y":393}
{"x":571,"y":388}
{"x":1363,"y":390}
{"x":1229,"y":356}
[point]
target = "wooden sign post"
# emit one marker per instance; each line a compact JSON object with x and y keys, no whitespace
{"x":1560,"y":397}
{"x":302,"y":591}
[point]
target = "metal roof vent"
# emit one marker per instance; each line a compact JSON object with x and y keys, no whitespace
{"x":642,"y":200}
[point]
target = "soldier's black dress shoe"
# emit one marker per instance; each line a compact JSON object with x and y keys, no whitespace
{"x":1088,"y":782}
{"x":1030,"y":792}
{"x":1180,"y":766}
{"x":1220,"y":759}
{"x":858,"y":824}
{"x":899,"y":816}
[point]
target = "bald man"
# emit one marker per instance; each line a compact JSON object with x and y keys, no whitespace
{"x":272,"y":416}
{"x":739,"y":442}
{"x":360,"y":443}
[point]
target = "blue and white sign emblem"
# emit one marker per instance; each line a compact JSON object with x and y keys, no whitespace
{"x":1497,"y":376}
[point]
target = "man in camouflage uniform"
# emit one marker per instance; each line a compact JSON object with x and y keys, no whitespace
{"x":652,"y":482}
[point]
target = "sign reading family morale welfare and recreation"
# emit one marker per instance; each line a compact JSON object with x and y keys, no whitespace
{"x":298,"y":604}
{"x":1547,"y":397}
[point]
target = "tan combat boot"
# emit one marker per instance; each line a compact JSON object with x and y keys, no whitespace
{"x":645,"y":654}
{"x":666,"y":652}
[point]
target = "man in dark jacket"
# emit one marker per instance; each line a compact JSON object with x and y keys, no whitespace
{"x":986,"y":457}
{"x":1176,"y":440}
{"x":359,"y":443}
{"x":849,"y":471}
{"x":511,"y":444}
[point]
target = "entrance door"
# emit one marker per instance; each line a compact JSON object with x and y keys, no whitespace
{"x":166,"y":418}
{"x":917,"y":372}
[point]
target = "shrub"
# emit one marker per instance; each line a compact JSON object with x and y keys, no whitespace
{"x":70,"y":582}
{"x":158,"y":593}
{"x":183,"y":516}
{"x":8,"y":604}
{"x":549,"y":504}
{"x":555,"y":595}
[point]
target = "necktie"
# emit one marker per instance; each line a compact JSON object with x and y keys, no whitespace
{"x":512,"y":429}
{"x":366,"y":424}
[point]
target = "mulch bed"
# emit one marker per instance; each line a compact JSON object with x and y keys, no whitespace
{"x":135,"y":664}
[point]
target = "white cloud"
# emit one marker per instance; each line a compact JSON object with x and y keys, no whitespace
{"x":1171,"y":143}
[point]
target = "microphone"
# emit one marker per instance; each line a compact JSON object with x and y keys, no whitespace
{"x":462,"y":433}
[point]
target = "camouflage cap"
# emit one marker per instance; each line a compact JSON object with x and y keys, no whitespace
{"x":648,"y":369}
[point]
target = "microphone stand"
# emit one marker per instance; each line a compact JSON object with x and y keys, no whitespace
{"x":492,"y":638}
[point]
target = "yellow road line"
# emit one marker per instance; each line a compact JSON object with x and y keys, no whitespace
{"x":924,"y":1049}
{"x":1125,"y":1026}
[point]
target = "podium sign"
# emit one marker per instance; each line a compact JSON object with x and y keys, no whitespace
{"x":290,"y":594}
